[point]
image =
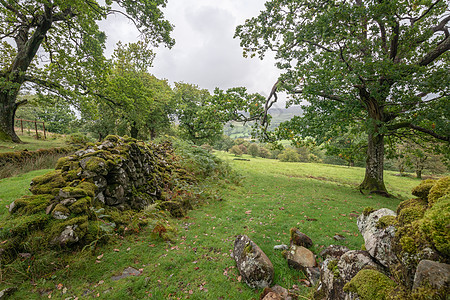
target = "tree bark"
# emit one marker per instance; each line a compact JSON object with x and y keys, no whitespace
{"x":8,"y":107}
{"x":134,"y":130}
{"x":373,"y":179}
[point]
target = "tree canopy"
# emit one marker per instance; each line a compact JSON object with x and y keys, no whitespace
{"x":382,"y":66}
{"x":57,"y":47}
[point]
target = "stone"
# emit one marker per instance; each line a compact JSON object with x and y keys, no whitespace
{"x":272,"y":296}
{"x":313,"y":275}
{"x":378,"y":239}
{"x":280,"y":247}
{"x":12,"y":207}
{"x":335,"y":251}
{"x":252,"y":263}
{"x":336,"y":272}
{"x":67,"y":236}
{"x":300,"y":258}
{"x":5,"y":293}
{"x":84,"y":152}
{"x":339,"y":237}
{"x":298,"y":238}
{"x":432,"y":274}
{"x":276,"y":293}
{"x":126,"y":273}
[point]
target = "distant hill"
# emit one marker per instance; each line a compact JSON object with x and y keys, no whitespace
{"x":239,"y":130}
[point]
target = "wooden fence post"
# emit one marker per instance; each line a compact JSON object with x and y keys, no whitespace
{"x":35,"y":126}
{"x":43,"y":125}
{"x":21,"y":125}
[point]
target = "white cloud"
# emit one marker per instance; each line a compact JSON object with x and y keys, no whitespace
{"x":205,"y":52}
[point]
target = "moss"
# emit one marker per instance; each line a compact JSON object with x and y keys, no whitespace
{"x":332,"y":266}
{"x":363,"y":247}
{"x":62,"y":161}
{"x":174,"y":208}
{"x":58,"y":226}
{"x":72,"y":174}
{"x":435,"y":225}
{"x":28,"y":205}
{"x":411,"y":238}
{"x":23,"y":225}
{"x":112,"y":138}
{"x":62,"y":209}
{"x":440,"y":189}
{"x":80,"y":190}
{"x":423,"y":189}
{"x":96,"y":164}
{"x":411,"y":210}
{"x":368,"y":210}
{"x":81,"y":206}
{"x":370,"y":284}
{"x":248,"y":248}
{"x":386,"y":221}
{"x":49,"y":183}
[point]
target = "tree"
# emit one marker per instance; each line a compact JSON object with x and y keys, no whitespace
{"x":253,"y":149}
{"x":57,"y":47}
{"x":379,"y":65}
{"x":198,"y":120}
{"x":236,"y":150}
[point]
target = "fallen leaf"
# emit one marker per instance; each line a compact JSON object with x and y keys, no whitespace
{"x":248,"y":212}
{"x":128,"y":249}
{"x":239,"y":278}
{"x":100,"y":256}
{"x":116,"y":250}
{"x":59,"y":286}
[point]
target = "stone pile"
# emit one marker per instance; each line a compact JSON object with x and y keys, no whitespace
{"x":82,"y":199}
{"x":406,"y":254}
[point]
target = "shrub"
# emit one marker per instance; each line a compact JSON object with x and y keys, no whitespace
{"x":289,"y":155}
{"x":264,"y":152}
{"x":236,"y":150}
{"x":253,"y":150}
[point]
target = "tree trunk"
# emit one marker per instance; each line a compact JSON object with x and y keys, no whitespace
{"x":373,"y":179}
{"x":134,"y":130}
{"x":8,"y":108}
{"x":419,"y":174}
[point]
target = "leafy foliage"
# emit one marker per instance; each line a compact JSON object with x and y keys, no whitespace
{"x":381,"y":67}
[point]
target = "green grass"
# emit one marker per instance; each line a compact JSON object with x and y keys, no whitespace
{"x":31,"y":143}
{"x":273,"y":197}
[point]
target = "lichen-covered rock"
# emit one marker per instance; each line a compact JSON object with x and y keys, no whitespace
{"x":434,"y":277}
{"x":300,"y":258}
{"x":333,"y":251}
{"x":67,"y":236}
{"x":298,"y":238}
{"x":440,"y":189}
{"x":378,"y":236}
{"x":253,"y":264}
{"x":335,"y":273}
{"x":276,"y":293}
{"x":423,"y":189}
{"x":369,"y":284}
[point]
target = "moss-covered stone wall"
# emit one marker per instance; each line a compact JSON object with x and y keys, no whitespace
{"x":85,"y":198}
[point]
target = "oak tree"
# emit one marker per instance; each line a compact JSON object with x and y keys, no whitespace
{"x":56,"y":47}
{"x":379,"y":65}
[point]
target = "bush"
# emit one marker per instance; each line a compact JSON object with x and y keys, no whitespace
{"x":289,"y":155}
{"x":253,"y":150}
{"x":236,"y":150}
{"x":264,"y":152}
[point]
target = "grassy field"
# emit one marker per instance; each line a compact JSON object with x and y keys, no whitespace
{"x":273,"y":197}
{"x":31,"y":143}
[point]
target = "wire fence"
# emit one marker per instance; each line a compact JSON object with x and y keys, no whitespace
{"x":21,"y":122}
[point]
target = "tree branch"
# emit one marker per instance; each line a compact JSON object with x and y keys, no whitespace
{"x":421,"y":129}
{"x":435,"y":53}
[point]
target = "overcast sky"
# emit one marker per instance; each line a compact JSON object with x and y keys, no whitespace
{"x":205,"y":52}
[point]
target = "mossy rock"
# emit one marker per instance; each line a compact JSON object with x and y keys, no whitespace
{"x":423,"y":189}
{"x":62,"y":162}
{"x":23,"y":225}
{"x":112,"y":138}
{"x":58,"y":226}
{"x":386,"y":221}
{"x":72,"y":174}
{"x":371,"y":284}
{"x":440,"y":189}
{"x":81,"y":206}
{"x":81,"y":190}
{"x":60,"y":212}
{"x":436,"y":225}
{"x":28,"y":205}
{"x":97,"y":165}
{"x":49,"y":183}
{"x":368,"y":210}
{"x":411,"y":238}
{"x":411,"y":210}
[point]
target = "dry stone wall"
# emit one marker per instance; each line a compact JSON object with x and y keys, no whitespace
{"x":83,"y":198}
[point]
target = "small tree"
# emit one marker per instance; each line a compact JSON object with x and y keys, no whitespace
{"x":264,"y":152}
{"x":236,"y":150}
{"x":289,"y":155}
{"x":253,"y":149}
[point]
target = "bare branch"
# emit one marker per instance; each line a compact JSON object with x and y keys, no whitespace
{"x":421,"y":129}
{"x":413,"y":21}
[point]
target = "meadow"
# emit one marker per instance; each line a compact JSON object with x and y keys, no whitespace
{"x":321,"y":200}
